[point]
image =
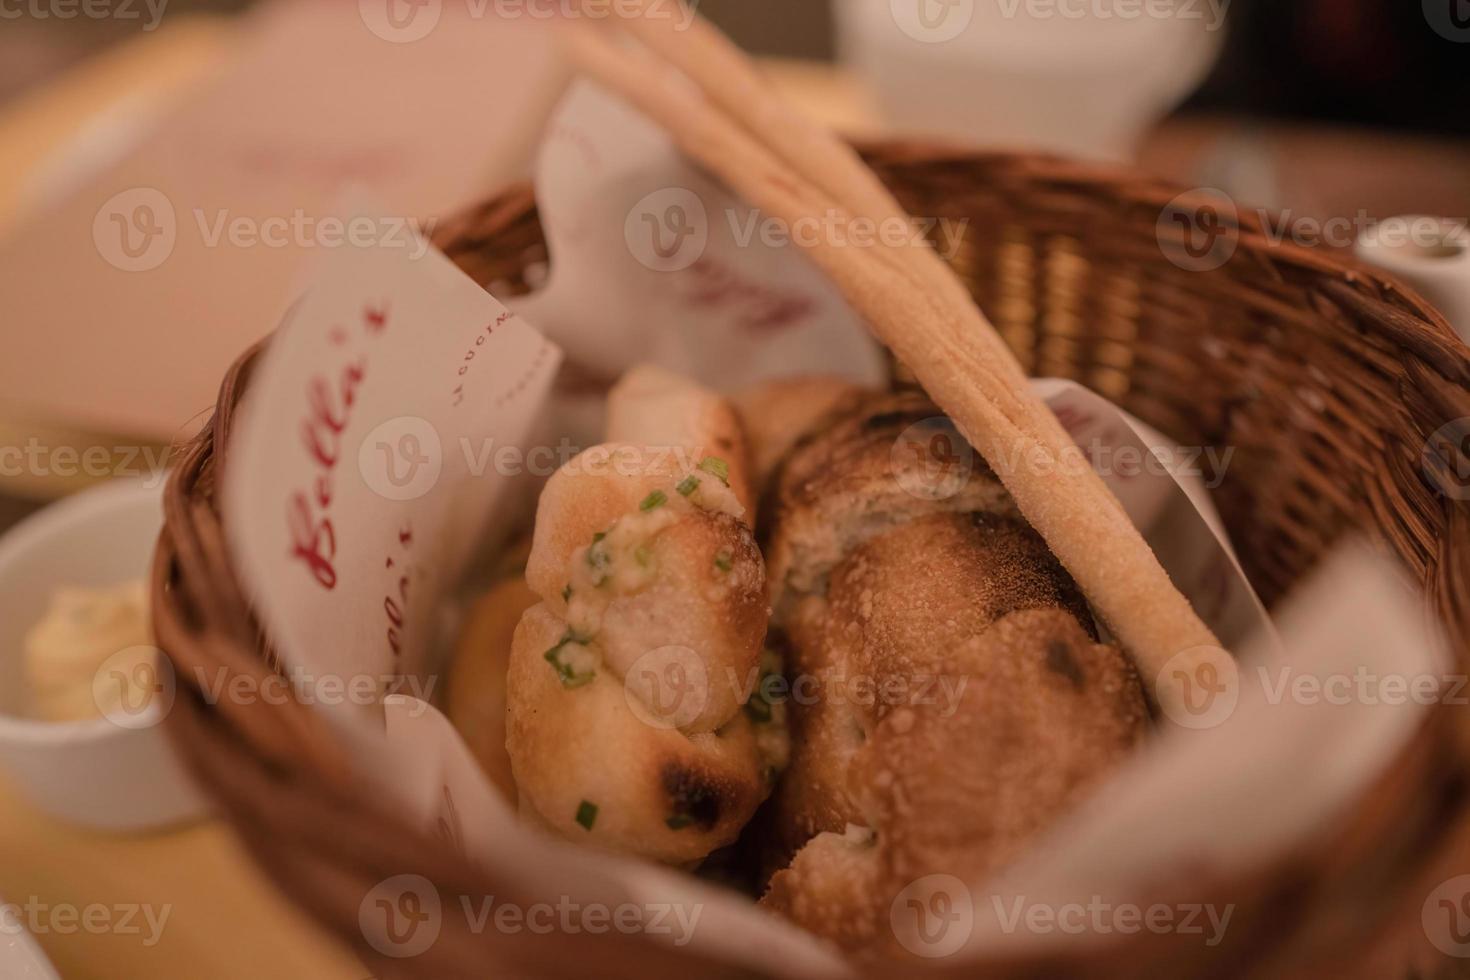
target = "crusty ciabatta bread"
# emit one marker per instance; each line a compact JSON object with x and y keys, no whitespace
{"x":957,"y":700}
{"x":626,"y":722}
{"x":871,"y":470}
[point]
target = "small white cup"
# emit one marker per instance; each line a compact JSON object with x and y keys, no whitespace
{"x":1071,"y":79}
{"x":1431,"y":254}
{"x":20,"y":957}
{"x":96,"y":773}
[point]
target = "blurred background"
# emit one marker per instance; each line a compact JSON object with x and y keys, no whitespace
{"x":1325,"y":108}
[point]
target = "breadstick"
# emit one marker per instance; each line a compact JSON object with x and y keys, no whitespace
{"x":952,"y":350}
{"x":730,"y":80}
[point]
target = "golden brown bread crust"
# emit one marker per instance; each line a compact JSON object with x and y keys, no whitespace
{"x":869,"y":471}
{"x":777,"y":414}
{"x":670,"y":761}
{"x":669,"y":412}
{"x":659,"y":793}
{"x":992,"y":710}
{"x":1044,"y":715}
{"x":477,"y":678}
{"x":720,"y":613}
{"x":892,"y":607}
{"x":627,"y":685}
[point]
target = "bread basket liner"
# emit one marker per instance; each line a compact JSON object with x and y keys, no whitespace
{"x":415,"y":376}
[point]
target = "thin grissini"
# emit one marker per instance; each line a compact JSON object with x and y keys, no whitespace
{"x":628,"y":683}
{"x":937,"y":332}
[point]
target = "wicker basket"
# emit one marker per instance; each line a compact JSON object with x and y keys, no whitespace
{"x":1328,"y":380}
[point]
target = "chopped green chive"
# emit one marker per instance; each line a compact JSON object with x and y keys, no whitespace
{"x":653,"y":501}
{"x":643,"y":556}
{"x":759,"y":709}
{"x":717,"y":468}
{"x":570,"y":677}
{"x":587,"y":815}
{"x":690,"y":484}
{"x":572,"y":681}
{"x":724,"y":561}
{"x":761,"y":706}
{"x":598,"y":558}
{"x":679,"y":821}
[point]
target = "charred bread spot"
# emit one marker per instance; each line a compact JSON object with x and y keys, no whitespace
{"x":1014,"y":543}
{"x":805,"y":439}
{"x":1059,"y":660}
{"x":694,"y":799}
{"x":886,"y":420}
{"x":728,"y":527}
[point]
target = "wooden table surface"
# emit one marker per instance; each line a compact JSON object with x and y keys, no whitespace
{"x":225,"y":921}
{"x":141,"y":79}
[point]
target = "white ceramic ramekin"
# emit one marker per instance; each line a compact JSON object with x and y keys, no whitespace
{"x":1018,"y":74}
{"x":98,"y":773}
{"x":20,"y":957}
{"x":1431,"y":254}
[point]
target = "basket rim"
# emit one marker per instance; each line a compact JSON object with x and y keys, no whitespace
{"x":208,"y":617}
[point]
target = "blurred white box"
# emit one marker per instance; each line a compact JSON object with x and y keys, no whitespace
{"x":1081,"y":78}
